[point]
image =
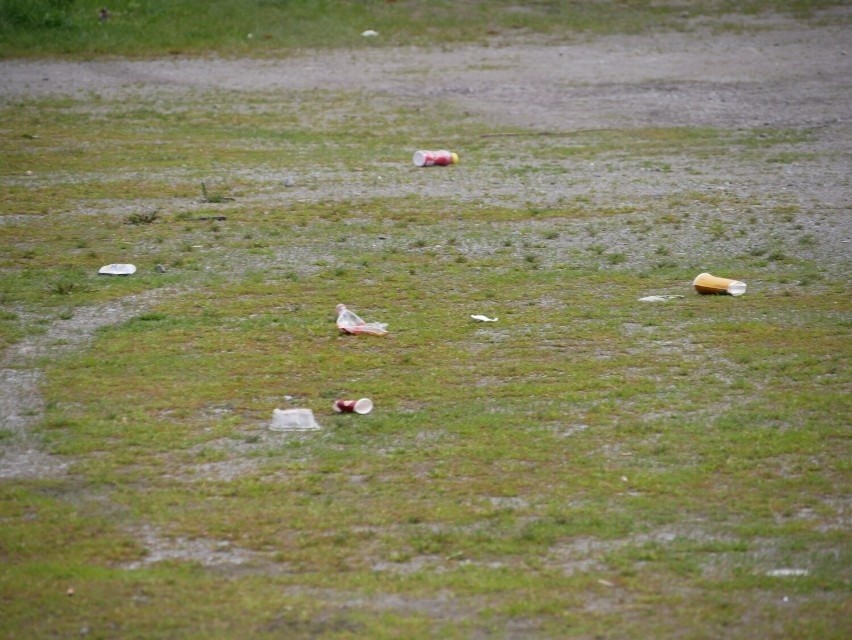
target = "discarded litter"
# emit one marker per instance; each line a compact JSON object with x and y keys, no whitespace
{"x":117,"y":270}
{"x":709,"y":284}
{"x":293,"y":420}
{"x":362,"y":406}
{"x":369,"y":33}
{"x":484,"y":318}
{"x":787,"y":573}
{"x":658,"y":298}
{"x":349,"y":322}
{"x":434,"y":158}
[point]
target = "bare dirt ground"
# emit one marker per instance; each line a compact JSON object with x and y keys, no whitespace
{"x":775,"y":73}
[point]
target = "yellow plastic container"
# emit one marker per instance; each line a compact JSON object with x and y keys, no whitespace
{"x":709,"y":284}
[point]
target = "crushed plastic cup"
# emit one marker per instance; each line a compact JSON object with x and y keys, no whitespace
{"x":293,"y":420}
{"x":708,"y":284}
{"x":362,"y":406}
{"x":434,"y":158}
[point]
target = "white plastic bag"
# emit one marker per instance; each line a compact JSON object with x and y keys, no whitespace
{"x":349,"y":322}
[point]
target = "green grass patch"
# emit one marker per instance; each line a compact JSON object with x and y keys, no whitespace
{"x":267,"y":27}
{"x":589,"y":465}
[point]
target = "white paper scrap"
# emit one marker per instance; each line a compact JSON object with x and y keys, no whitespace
{"x":117,"y":269}
{"x":787,"y":573}
{"x":658,"y":298}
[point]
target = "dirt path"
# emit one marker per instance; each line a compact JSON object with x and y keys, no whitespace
{"x":774,"y":72}
{"x":21,"y":404}
{"x":779,"y":74}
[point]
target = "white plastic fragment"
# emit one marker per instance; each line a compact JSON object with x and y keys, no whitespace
{"x":658,"y":298}
{"x":484,"y":318}
{"x":117,"y":269}
{"x":369,"y":33}
{"x":787,"y":573}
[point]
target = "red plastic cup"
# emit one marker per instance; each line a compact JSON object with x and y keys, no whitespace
{"x":362,"y":406}
{"x":434,"y":158}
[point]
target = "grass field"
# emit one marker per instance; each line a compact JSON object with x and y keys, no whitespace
{"x":588,"y":466}
{"x":272,"y":27}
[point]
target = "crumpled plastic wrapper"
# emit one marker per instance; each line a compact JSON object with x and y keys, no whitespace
{"x":349,"y":322}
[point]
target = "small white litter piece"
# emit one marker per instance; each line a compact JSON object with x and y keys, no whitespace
{"x":787,"y":573}
{"x":293,"y":420}
{"x":117,"y":269}
{"x":369,"y":33}
{"x":658,"y":298}
{"x":479,"y":318}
